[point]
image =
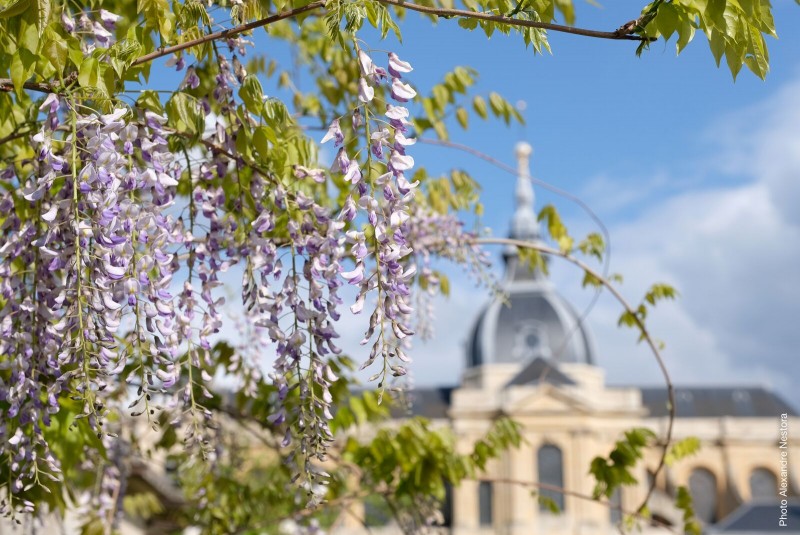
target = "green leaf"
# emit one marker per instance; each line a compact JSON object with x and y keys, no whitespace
{"x":444,"y":284}
{"x":556,"y":228}
{"x":496,"y":103}
{"x":123,"y":53}
{"x":682,"y":449}
{"x":479,"y":105}
{"x":463,"y":117}
{"x":441,"y":96}
{"x":28,"y":32}
{"x":627,"y":319}
{"x":22,"y":66}
{"x":149,"y":100}
{"x":659,"y":292}
{"x":14,"y":8}
{"x":667,"y":20}
{"x":157,"y":16}
{"x":716,"y":42}
{"x":55,"y":50}
{"x":43,"y":10}
{"x":591,"y":280}
{"x":471,"y":24}
{"x":262,"y":137}
{"x":593,"y":245}
{"x":685,"y":35}
{"x":756,"y":58}
{"x":548,"y":503}
{"x":252,"y":94}
{"x":185,"y":114}
{"x":360,"y":412}
{"x":89,"y":72}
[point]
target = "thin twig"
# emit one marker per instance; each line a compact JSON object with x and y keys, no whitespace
{"x":579,"y":495}
{"x":639,"y":324}
{"x":230,"y":32}
{"x":7,"y":85}
{"x":622,"y":33}
{"x":14,"y":136}
{"x":546,"y":185}
{"x":558,"y":191}
{"x":619,"y":34}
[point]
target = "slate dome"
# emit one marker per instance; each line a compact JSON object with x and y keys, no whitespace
{"x":533,"y":320}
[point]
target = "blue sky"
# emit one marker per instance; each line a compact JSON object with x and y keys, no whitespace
{"x":696,"y":177}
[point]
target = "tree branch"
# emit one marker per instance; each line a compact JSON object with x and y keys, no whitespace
{"x":7,"y":85}
{"x":639,"y":324}
{"x":622,"y":33}
{"x":579,"y":495}
{"x":230,"y":32}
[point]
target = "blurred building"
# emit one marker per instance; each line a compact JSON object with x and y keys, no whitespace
{"x":531,"y":357}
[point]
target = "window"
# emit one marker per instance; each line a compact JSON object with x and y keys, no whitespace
{"x":485,"y":503}
{"x":551,"y":474}
{"x":763,"y":484}
{"x":703,"y":488}
{"x":615,"y":504}
{"x":447,"y":505}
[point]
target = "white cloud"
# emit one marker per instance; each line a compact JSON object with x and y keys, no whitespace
{"x":733,"y":251}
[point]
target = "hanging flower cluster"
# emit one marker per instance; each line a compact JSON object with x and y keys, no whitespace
{"x":384,"y":201}
{"x":110,"y":284}
{"x":436,"y":235}
{"x":102,"y":244}
{"x":306,"y":289}
{"x":95,"y":29}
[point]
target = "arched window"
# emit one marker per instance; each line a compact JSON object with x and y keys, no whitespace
{"x":447,"y":505}
{"x":485,"y":503}
{"x":615,"y":506}
{"x":550,"y":463}
{"x":703,"y":488}
{"x":763,"y":484}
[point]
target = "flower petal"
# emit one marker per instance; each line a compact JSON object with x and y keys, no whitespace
{"x":402,"y":92}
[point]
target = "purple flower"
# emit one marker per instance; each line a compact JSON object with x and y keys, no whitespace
{"x":101,"y":34}
{"x":67,"y":21}
{"x":365,"y":92}
{"x":400,"y":162}
{"x":402,"y":92}
{"x":109,"y":19}
{"x":357,"y":119}
{"x":176,"y":61}
{"x":191,"y":80}
{"x":349,"y":209}
{"x":397,"y":66}
{"x":397,"y":113}
{"x":317,"y":175}
{"x":366,"y":64}
{"x":341,"y":163}
{"x":334,"y":133}
{"x":353,"y":173}
{"x":355,"y":276}
{"x":50,"y":103}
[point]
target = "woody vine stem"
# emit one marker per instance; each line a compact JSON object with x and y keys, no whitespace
{"x":622,"y":33}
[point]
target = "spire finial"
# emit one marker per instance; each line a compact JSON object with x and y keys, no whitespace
{"x":524,"y":225}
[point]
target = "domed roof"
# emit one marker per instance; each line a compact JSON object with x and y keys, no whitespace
{"x":531,"y":320}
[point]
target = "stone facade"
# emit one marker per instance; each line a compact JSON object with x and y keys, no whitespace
{"x":531,"y":358}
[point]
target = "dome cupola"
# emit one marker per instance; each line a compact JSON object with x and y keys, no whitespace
{"x":533,"y":320}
